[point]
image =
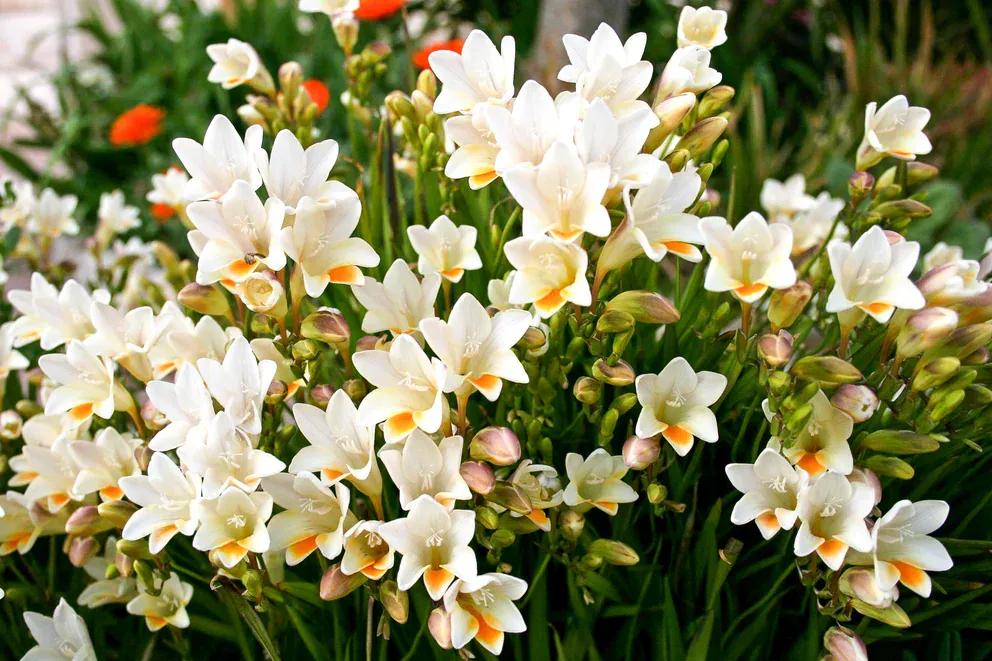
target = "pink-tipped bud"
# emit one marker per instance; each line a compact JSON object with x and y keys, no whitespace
{"x":321,"y":394}
{"x":639,"y":453}
{"x":152,"y":417}
{"x":786,"y":305}
{"x":775,"y":350}
{"x":81,"y":549}
{"x":924,"y":330}
{"x":367,"y":343}
{"x":439,"y":624}
{"x":335,"y":584}
{"x":859,"y":402}
{"x":478,"y":476}
{"x":205,"y":299}
{"x":842,"y":644}
{"x":84,"y":521}
{"x":868,"y":478}
{"x":860,"y":184}
{"x":143,"y":455}
{"x":860,"y":583}
{"x":326,"y":325}
{"x":497,"y":445}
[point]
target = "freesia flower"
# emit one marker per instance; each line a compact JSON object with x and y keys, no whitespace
{"x":783,"y":200}
{"x":482,"y":608}
{"x":617,"y":141}
{"x":330,"y":7}
{"x":409,"y":389}
{"x":562,"y":196}
{"x":11,"y":360}
{"x":433,"y":543}
{"x":942,"y":254}
{"x":895,"y":129}
{"x":236,"y":63}
{"x":62,"y":636}
{"x":115,"y":216}
{"x":233,"y":525}
{"x":811,"y":228}
{"x":125,"y":338}
{"x":236,"y":235}
{"x":52,"y":214}
{"x":607,"y":68}
{"x":525,"y":132}
{"x":771,"y":488}
{"x":702,"y":26}
{"x":688,"y":70}
{"x":476,"y":150}
{"x":54,"y":483}
{"x":42,"y":431}
{"x":239,"y":384}
{"x":137,"y":126}
{"x":597,"y":481}
{"x":313,"y":517}
{"x":104,"y":591}
{"x":366,"y":551}
{"x":16,"y":214}
{"x":833,"y":511}
{"x":747,"y":259}
{"x":874,"y":275}
{"x":168,"y":501}
{"x":53,"y":316}
{"x":549,"y":274}
{"x":221,"y":160}
{"x":822,"y":444}
{"x":225,"y":458}
{"x":445,"y":248}
{"x":167,"y":605}
{"x":477,"y":349}
{"x":21,"y":524}
{"x":186,"y":342}
{"x":676,"y":404}
{"x":340,"y":448}
{"x":955,"y":283}
{"x":186,"y":405}
{"x":291,"y":173}
{"x":399,"y":302}
{"x":102,"y":462}
{"x":422,"y":466}
{"x":86,"y":383}
{"x":543,"y":489}
{"x":478,"y":75}
{"x":167,"y":195}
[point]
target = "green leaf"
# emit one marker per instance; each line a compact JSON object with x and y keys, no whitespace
{"x":253,"y":621}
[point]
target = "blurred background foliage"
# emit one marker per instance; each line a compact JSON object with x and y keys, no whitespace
{"x":803,"y":73}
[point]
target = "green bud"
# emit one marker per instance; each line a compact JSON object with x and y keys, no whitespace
{"x":916,"y":173}
{"x":396,"y":602}
{"x":943,"y":404}
{"x":609,"y":423}
{"x":116,"y":512}
{"x":399,"y":105}
{"x":487,"y":517}
{"x":252,"y":580}
{"x":355,"y":388}
{"x":889,"y":466}
{"x":624,"y":402}
{"x":779,"y":382}
{"x":205,"y":299}
{"x":715,"y":99}
{"x":677,"y":159}
{"x":644,"y":306}
{"x":895,"y":441}
{"x":614,"y":321}
{"x":826,"y":370}
{"x":657,"y":493}
{"x":716,"y":158}
{"x":592,"y":561}
{"x":702,"y":136}
{"x":511,"y":497}
{"x":934,"y":372}
{"x":906,"y":208}
{"x":502,"y":539}
{"x":326,"y":325}
{"x":620,"y":374}
{"x":571,"y":524}
{"x":427,"y":83}
{"x":614,"y":552}
{"x":786,"y":305}
{"x":799,"y":419}
{"x":305,"y":350}
{"x":144,"y":572}
{"x":587,"y":390}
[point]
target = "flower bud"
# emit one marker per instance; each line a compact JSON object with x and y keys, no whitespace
{"x":614,"y":321}
{"x":826,"y":370}
{"x":205,"y":299}
{"x":335,"y":584}
{"x":786,"y":305}
{"x":702,"y":136}
{"x":305,"y":350}
{"x":487,"y":517}
{"x":934,"y":372}
{"x":427,"y":83}
{"x":979,"y":356}
{"x":511,"y":497}
{"x":502,"y":538}
{"x":478,"y":476}
{"x":395,"y":601}
{"x":889,"y":467}
{"x":587,"y":390}
{"x":439,"y":624}
{"x":925,"y":329}
{"x":534,"y":338}
{"x":571,"y":524}
{"x":869,"y":479}
{"x":775,"y":350}
{"x":859,"y":402}
{"x":399,"y":105}
{"x":645,"y":306}
{"x":81,"y":549}
{"x":900,"y":441}
{"x":320,"y":394}
{"x":715,"y":99}
{"x":11,"y":423}
{"x":677,"y":159}
{"x":670,"y":113}
{"x":123,"y":565}
{"x":276,"y":392}
{"x":423,"y":105}
{"x":614,"y":552}
{"x":355,"y":388}
{"x":860,"y":184}
{"x":290,"y":78}
{"x":345,"y":27}
{"x":116,"y":512}
{"x":497,"y":445}
{"x":86,"y":521}
{"x":326,"y":325}
{"x":252,"y":580}
{"x":842,"y":644}
{"x":657,"y":493}
{"x":917,"y":173}
{"x":639,"y":453}
{"x":261,"y":291}
{"x":134,"y":549}
{"x":907,"y":208}
{"x":621,"y":374}
{"x":250,"y":115}
{"x":367,"y":343}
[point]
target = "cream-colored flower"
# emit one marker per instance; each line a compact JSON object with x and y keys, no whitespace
{"x":166,"y":605}
{"x":597,"y":481}
{"x":482,"y":608}
{"x":749,"y":258}
{"x":168,"y":501}
{"x":688,"y":70}
{"x":607,"y":68}
{"x":235,"y":63}
{"x":823,"y":443}
{"x":366,"y":551}
{"x":233,"y":525}
{"x":478,"y":75}
{"x":702,"y":26}
{"x":313,"y":517}
{"x":445,"y":248}
{"x":833,"y":511}
{"x":86,"y":383}
{"x":549,"y":274}
{"x":771,"y":488}
{"x":895,"y":129}
{"x":420,"y":466}
{"x":52,"y":214}
{"x":399,"y":302}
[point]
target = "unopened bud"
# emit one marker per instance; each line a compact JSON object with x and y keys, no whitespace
{"x":571,"y":524}
{"x":702,"y":136}
{"x":326,"y":325}
{"x":979,"y":356}
{"x":427,"y":83}
{"x":290,"y":78}
{"x":395,"y":601}
{"x":250,"y":115}
{"x":621,"y":374}
{"x":860,"y":184}
{"x":826,"y":370}
{"x":134,"y":549}
{"x":335,"y":584}
{"x":487,"y":517}
{"x":534,"y":338}
{"x":587,"y":390}
{"x":917,"y":173}
{"x":439,"y":624}
{"x":842,"y":644}
{"x":511,"y":497}
{"x":502,"y":538}
{"x":925,"y":329}
{"x":81,"y":550}
{"x":775,"y":350}
{"x":890,"y":467}
{"x":11,"y":423}
{"x":657,"y":493}
{"x":497,"y":445}
{"x":614,"y":552}
{"x":205,"y":299}
{"x":305,"y":350}
{"x":787,"y":304}
{"x":355,"y":388}
{"x":86,"y":521}
{"x":123,"y":565}
{"x":645,"y":306}
{"x":276,"y":392}
{"x":252,"y":580}
{"x":423,"y":105}
{"x":639,"y":453}
{"x":367,"y":343}
{"x":715,"y":99}
{"x":670,"y":113}
{"x":116,"y":512}
{"x":478,"y":476}
{"x":677,"y":159}
{"x":614,"y":321}
{"x":320,"y":394}
{"x":859,"y":402}
{"x":345,"y":27}
{"x":907,"y":208}
{"x":399,"y":105}
{"x":935,"y":372}
{"x":900,"y":441}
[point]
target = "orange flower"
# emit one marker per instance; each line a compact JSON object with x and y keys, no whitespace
{"x":136,"y":126}
{"x":374,"y":10}
{"x":318,"y":92}
{"x":162,"y":211}
{"x":420,"y":57}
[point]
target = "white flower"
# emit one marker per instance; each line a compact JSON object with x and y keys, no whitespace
{"x":874,"y":275}
{"x":771,"y":488}
{"x":543,"y":489}
{"x":482,"y":608}
{"x":810,"y":228}
{"x":562,"y":196}
{"x":115,"y":216}
{"x":52,"y":214}
{"x":239,"y":384}
{"x":86,"y":383}
{"x":597,"y":481}
{"x":187,"y":343}
{"x":168,"y":501}
{"x":445,"y":248}
{"x":953,"y":283}
{"x":167,"y":605}
{"x":54,"y":484}
{"x":657,"y":222}
{"x":42,"y":431}
{"x":227,"y":459}
{"x":11,"y":360}
{"x":903,"y":550}
{"x":292,"y":173}
{"x":783,"y":200}
{"x":942,"y":254}
{"x":399,"y":302}
{"x":235,"y":63}
{"x":21,"y":524}
{"x":895,"y":129}
{"x":102,"y":462}
{"x":221,"y":160}
{"x":747,"y":259}
{"x":526,"y":132}
{"x":53,"y":316}
{"x":422,"y":467}
{"x":236,"y":235}
{"x":126,"y":338}
{"x":168,"y":190}
{"x":476,"y":152}
{"x":833,"y":511}
{"x":187,"y":406}
{"x":434,"y":543}
{"x":366,"y":551}
{"x":233,"y":525}
{"x":340,"y":448}
{"x":478,"y":75}
{"x":549,"y":274}
{"x":477,"y":349}
{"x":617,"y":141}
{"x":330,"y":7}
{"x":822,"y":444}
{"x":702,"y":26}
{"x":262,"y":291}
{"x":62,"y":636}
{"x":676,"y":404}
{"x":18,"y":213}
{"x":688,"y":70}
{"x":103,"y":591}
{"x":604,"y":67}
{"x":313,"y":517}
{"x":409,"y":389}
